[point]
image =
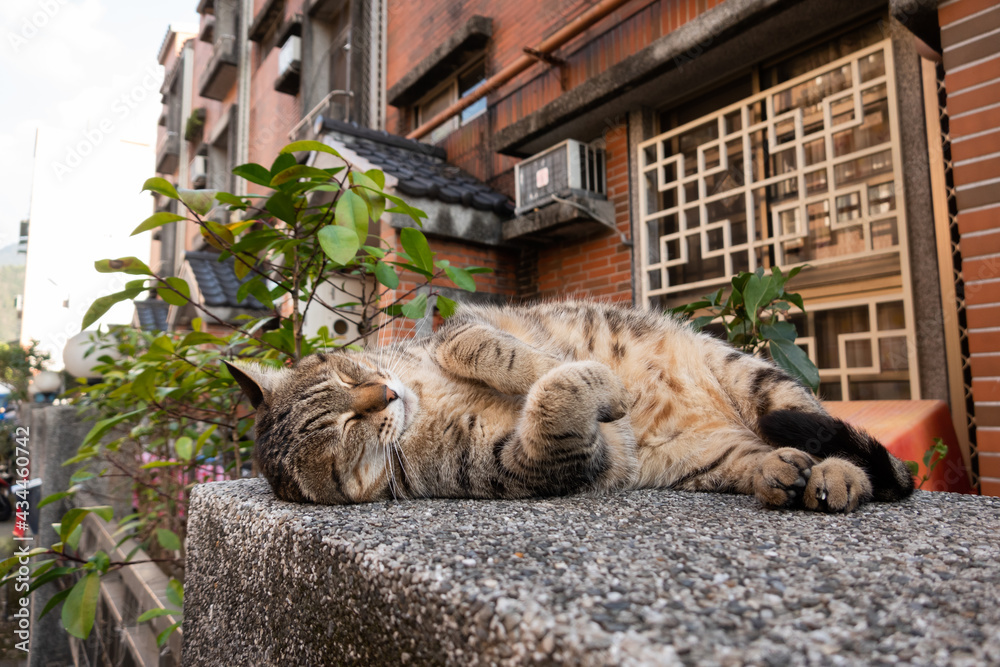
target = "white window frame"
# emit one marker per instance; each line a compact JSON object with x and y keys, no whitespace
{"x":452,"y":83}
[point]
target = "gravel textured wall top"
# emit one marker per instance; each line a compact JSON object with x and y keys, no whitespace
{"x":651,"y":577}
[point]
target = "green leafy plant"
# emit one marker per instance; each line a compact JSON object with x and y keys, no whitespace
{"x":755,"y":318}
{"x":934,"y":455}
{"x":166,"y":414}
{"x":18,"y":365}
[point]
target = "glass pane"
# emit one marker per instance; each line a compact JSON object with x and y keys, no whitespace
{"x":879,"y":390}
{"x":830,"y":391}
{"x":890,"y":316}
{"x":655,"y":280}
{"x":892,"y":354}
{"x":830,"y":324}
{"x":872,"y":66}
{"x":859,"y":353}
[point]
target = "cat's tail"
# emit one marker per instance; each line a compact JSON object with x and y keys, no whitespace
{"x":823,"y":436}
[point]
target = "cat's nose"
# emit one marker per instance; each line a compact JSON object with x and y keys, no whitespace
{"x":390,"y":395}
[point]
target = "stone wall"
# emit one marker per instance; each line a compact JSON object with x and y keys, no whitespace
{"x":650,"y":577}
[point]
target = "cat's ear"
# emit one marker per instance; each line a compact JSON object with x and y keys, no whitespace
{"x":256,"y":381}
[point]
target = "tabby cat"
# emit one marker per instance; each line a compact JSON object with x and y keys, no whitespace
{"x":554,"y":399}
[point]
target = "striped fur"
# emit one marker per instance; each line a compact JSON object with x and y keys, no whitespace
{"x":554,"y":399}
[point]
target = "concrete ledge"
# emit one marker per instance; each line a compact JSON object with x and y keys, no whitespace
{"x":650,"y":577}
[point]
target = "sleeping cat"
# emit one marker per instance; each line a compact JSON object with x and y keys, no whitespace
{"x":554,"y":399}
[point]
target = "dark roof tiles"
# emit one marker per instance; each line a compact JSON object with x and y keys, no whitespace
{"x":420,"y":169}
{"x":217,"y":280}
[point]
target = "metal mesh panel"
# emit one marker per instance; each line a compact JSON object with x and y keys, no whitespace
{"x":956,"y":262}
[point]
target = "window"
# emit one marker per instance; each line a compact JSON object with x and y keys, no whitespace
{"x":464,"y":83}
{"x":803,"y":172}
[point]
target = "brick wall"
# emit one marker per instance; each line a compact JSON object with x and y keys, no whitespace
{"x":972,"y":77}
{"x":599,"y":266}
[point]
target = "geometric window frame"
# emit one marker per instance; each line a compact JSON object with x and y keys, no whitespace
{"x":663,"y":179}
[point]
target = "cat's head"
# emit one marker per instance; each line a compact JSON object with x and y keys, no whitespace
{"x":325,"y":429}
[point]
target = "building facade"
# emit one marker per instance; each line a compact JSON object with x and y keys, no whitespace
{"x":645,"y":151}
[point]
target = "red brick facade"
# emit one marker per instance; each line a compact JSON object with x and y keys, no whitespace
{"x":972,"y":78}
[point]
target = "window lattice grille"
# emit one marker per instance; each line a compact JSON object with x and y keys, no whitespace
{"x":803,"y":172}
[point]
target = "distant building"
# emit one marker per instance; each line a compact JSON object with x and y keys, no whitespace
{"x":644,"y":151}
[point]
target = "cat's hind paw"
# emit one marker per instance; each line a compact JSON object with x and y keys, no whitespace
{"x":836,"y":485}
{"x":782,"y":477}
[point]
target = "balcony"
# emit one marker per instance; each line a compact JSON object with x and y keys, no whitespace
{"x":220,"y":75}
{"x":168,"y":151}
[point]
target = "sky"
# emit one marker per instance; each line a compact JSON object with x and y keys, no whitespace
{"x":67,"y":61}
{"x":82,"y":76}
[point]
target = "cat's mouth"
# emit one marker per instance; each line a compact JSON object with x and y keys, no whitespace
{"x":408,"y":404}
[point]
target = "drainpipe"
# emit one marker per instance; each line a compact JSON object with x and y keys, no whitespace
{"x":243,"y":46}
{"x":523,"y":62}
{"x":186,"y":76}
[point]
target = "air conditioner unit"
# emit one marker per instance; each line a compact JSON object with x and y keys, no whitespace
{"x":199,"y":171}
{"x":290,"y":55}
{"x":569,"y":168}
{"x":341,"y":325}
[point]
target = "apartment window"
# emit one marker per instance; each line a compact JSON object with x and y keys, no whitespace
{"x":457,"y":86}
{"x":804,"y":171}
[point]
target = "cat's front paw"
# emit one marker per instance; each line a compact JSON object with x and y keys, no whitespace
{"x":836,"y":485}
{"x":782,"y":477}
{"x":588,"y":383}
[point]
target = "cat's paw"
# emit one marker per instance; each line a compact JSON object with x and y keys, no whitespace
{"x":836,"y":485}
{"x":588,"y":385}
{"x":782,"y":477}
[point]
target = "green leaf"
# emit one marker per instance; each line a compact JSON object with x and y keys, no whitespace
{"x":461,"y":278}
{"x":446,"y":306}
{"x":53,"y":498}
{"x":175,"y":592}
{"x":339,"y":243}
{"x":53,"y":601}
{"x":296,"y":146}
{"x":168,"y":539}
{"x":105,"y":303}
{"x":790,"y":357}
{"x":416,"y":308}
{"x":415,"y":244}
{"x":754,"y":294}
{"x":377,"y":177}
{"x":160,"y":186}
{"x":254,"y":173}
{"x":152,"y":465}
{"x":142,"y":386}
{"x":352,"y":212}
{"x":156,"y":613}
{"x":913,"y":466}
{"x":156,"y":220}
{"x":100,"y":428}
{"x":282,"y":206}
{"x":81,"y":605}
{"x":231,"y":199}
{"x":374,"y":252}
{"x":796,"y":299}
{"x":282,"y":162}
{"x":386,"y":275}
{"x":162,"y":638}
{"x":218,"y":236}
{"x":779,"y":330}
{"x":131,"y":265}
{"x":370,"y":193}
{"x":172,"y":297}
{"x":702,"y":321}
{"x":199,"y":201}
{"x":81,"y":476}
{"x":296,"y":172}
{"x":184,"y":446}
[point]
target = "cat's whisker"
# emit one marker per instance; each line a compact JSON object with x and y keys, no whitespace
{"x":387,"y":457}
{"x":404,"y":463}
